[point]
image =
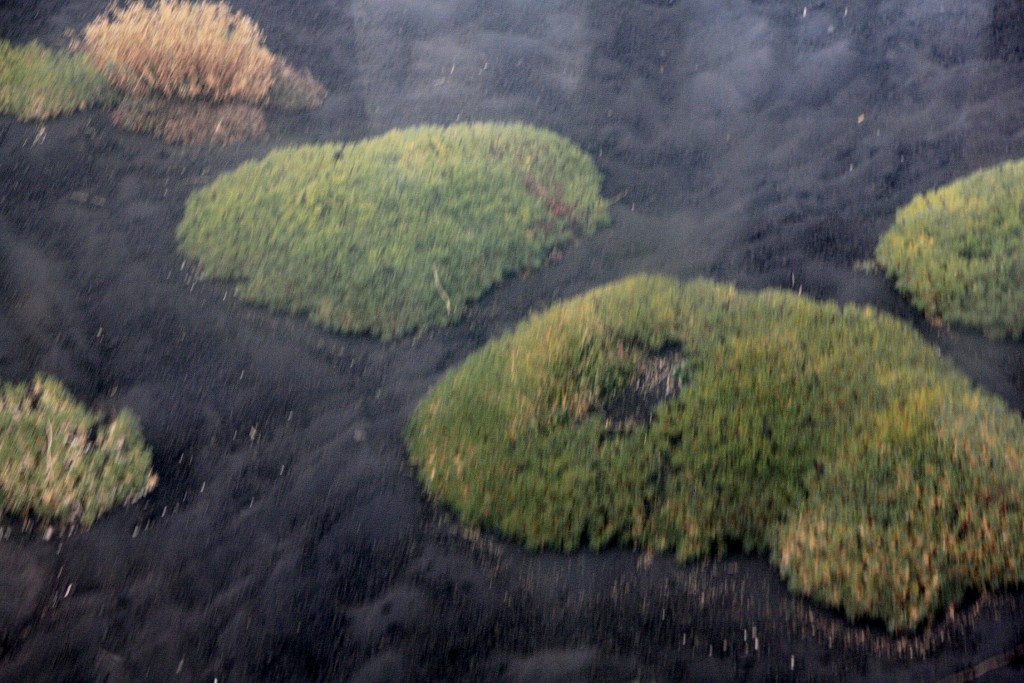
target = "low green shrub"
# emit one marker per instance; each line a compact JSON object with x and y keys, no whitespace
{"x":60,"y":462}
{"x":395,"y":233}
{"x":39,"y":83}
{"x":958,"y":251}
{"x":833,"y":438}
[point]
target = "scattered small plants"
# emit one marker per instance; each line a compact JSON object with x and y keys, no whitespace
{"x":835,"y":439}
{"x":62,"y":463}
{"x":958,"y":251}
{"x":396,"y":233}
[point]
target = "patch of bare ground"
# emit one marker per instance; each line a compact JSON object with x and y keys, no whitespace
{"x":659,"y":376}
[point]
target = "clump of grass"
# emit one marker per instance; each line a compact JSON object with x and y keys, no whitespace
{"x":958,"y":251}
{"x":39,"y":83}
{"x":833,"y":438}
{"x":60,"y":462}
{"x":189,"y":67}
{"x":395,"y":233}
{"x":183,"y":50}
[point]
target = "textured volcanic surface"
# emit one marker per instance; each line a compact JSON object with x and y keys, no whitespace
{"x":756,"y":141}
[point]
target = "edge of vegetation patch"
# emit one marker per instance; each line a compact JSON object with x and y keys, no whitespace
{"x":957,"y":252}
{"x":396,"y":233}
{"x":39,"y":83}
{"x":678,"y":417}
{"x":60,"y":462}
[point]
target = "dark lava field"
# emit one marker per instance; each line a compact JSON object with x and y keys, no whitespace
{"x":762,"y":142}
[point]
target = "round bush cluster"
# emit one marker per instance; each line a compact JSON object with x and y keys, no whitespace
{"x":398,"y":232}
{"x":958,"y":251}
{"x":689,"y":417}
{"x":60,"y":462}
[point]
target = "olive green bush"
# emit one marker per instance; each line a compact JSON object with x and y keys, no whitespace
{"x":62,"y":463}
{"x":39,"y":83}
{"x":395,"y":233}
{"x":958,"y":251}
{"x":835,"y":439}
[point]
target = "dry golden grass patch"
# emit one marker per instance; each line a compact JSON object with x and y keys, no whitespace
{"x":182,"y":49}
{"x":193,"y":72}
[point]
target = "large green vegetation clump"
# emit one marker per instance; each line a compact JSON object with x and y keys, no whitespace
{"x":691,"y":417}
{"x":60,"y":462}
{"x":398,"y":232}
{"x":958,"y":251}
{"x":39,"y":83}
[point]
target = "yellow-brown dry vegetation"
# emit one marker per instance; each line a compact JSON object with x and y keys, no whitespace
{"x":182,"y":50}
{"x":193,"y":72}
{"x":187,"y":122}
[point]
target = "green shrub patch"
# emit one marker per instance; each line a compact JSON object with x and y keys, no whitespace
{"x":692,"y":417}
{"x":395,"y":233}
{"x":60,"y":462}
{"x":38,"y":83}
{"x":958,"y":251}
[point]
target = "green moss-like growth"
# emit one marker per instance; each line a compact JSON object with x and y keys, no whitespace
{"x":833,"y":438}
{"x":60,"y":462}
{"x":397,"y":232}
{"x":38,"y":83}
{"x":958,"y":251}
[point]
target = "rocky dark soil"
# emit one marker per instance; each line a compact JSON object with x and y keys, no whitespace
{"x":758,"y":141}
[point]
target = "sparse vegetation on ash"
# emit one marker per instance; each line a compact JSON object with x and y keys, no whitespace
{"x":187,"y":72}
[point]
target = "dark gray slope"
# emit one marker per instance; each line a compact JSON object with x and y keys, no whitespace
{"x":757,"y":141}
